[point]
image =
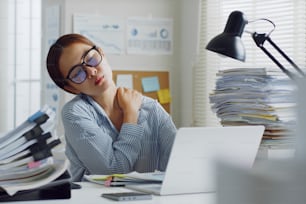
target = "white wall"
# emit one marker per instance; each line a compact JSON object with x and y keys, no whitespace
{"x":185,"y":16}
{"x":189,"y":48}
{"x":4,"y":105}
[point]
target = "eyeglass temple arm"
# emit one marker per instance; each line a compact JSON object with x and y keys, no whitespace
{"x":260,"y":39}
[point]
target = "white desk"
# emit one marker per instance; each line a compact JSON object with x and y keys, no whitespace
{"x":91,"y":194}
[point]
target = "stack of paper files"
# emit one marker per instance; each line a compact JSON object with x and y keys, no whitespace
{"x":256,"y":96}
{"x":126,"y":179}
{"x":27,"y":161}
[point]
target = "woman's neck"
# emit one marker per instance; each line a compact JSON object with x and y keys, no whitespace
{"x":111,"y":107}
{"x":108,"y":100}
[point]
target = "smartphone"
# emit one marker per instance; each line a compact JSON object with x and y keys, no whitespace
{"x":126,"y":196}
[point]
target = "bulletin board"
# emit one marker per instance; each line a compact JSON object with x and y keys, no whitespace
{"x":138,"y":76}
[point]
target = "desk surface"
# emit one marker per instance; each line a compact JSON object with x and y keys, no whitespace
{"x":91,"y":194}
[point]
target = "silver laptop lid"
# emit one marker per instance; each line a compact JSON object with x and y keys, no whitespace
{"x":191,"y":166}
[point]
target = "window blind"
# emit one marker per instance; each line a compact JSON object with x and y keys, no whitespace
{"x":289,"y":34}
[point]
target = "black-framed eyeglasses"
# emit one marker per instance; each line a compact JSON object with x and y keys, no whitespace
{"x":91,"y":58}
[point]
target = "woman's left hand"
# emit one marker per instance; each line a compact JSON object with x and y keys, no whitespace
{"x":129,"y":101}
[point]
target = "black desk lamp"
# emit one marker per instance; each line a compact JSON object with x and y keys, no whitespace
{"x":229,"y":42}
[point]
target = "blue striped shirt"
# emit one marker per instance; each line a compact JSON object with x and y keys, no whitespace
{"x":94,"y":145}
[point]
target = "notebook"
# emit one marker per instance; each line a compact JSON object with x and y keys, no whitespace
{"x":192,"y":163}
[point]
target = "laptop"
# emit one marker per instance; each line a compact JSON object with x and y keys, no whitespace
{"x":192,"y":163}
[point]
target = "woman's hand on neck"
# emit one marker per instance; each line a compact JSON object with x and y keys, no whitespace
{"x":129,"y":101}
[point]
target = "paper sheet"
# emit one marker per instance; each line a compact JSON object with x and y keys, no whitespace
{"x":125,"y":80}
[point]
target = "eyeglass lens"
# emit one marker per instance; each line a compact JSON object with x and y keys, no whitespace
{"x":78,"y":74}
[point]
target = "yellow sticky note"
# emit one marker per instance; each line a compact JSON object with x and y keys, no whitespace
{"x":164,"y":96}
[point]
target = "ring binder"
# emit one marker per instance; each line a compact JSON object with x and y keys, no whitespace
{"x":28,"y":168}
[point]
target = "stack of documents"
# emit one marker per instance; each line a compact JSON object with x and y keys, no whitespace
{"x":134,"y":177}
{"x":26,"y":158}
{"x":256,"y":96}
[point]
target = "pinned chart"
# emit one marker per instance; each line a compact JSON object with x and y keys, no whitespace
{"x":149,"y":36}
{"x":107,"y":31}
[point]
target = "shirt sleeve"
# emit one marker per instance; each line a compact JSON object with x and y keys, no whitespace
{"x":167,"y":132}
{"x":97,"y":151}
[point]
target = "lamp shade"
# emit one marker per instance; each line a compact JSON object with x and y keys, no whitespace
{"x":229,"y":42}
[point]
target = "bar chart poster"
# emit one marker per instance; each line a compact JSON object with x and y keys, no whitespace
{"x":149,"y":36}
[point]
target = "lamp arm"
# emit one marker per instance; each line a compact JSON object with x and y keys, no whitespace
{"x":260,"y":39}
{"x":285,"y":56}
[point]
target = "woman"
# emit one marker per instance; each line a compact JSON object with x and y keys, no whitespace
{"x":107,"y":129}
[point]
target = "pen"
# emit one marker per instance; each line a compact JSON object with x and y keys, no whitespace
{"x":116,"y":185}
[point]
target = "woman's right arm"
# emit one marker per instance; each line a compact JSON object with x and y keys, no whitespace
{"x":98,"y":150}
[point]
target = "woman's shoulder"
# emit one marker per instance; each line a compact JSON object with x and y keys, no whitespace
{"x":152,"y":106}
{"x":148,"y":102}
{"x":79,"y":104}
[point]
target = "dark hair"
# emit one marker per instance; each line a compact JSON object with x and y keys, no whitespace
{"x":55,"y":53}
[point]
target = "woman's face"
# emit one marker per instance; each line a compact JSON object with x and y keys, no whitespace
{"x":86,"y":69}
